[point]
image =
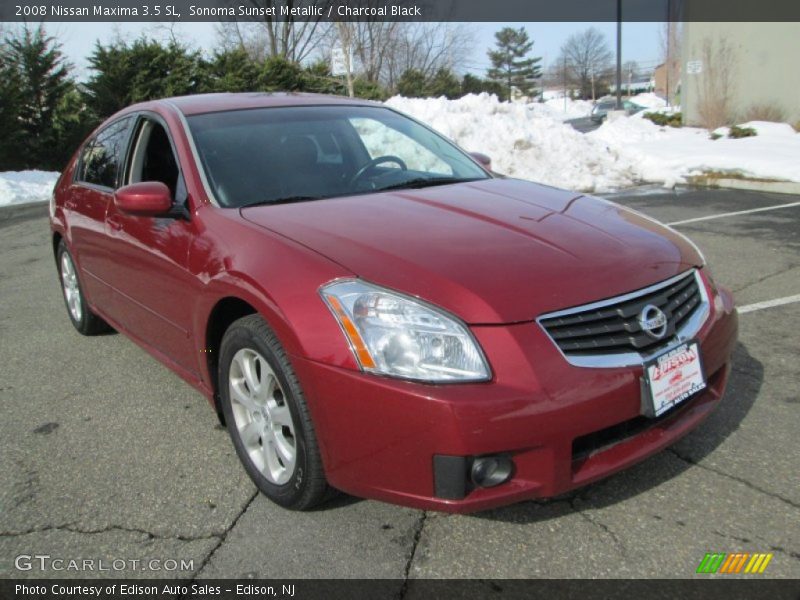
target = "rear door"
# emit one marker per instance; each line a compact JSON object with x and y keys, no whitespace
{"x":92,"y":192}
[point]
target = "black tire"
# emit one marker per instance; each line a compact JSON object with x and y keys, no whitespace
{"x":307,"y":486}
{"x":87,"y":323}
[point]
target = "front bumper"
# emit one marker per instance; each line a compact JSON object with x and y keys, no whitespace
{"x":564,"y":426}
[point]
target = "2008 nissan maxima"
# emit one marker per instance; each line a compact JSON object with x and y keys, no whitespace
{"x":371,"y":309}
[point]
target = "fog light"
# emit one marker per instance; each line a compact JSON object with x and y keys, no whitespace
{"x":489,"y":471}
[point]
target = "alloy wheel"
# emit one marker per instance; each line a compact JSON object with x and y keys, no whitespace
{"x":72,"y":292}
{"x":263,"y":420}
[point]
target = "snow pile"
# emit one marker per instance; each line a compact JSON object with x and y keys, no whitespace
{"x":763,"y":128}
{"x":668,"y":155}
{"x":534,"y":144}
{"x":22,"y":187}
{"x":524,"y":143}
{"x":572,"y":109}
{"x":648,"y":100}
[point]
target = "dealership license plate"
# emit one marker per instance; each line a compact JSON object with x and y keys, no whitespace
{"x":672,"y":377}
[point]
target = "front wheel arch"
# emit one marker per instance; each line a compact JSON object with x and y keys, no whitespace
{"x":225,"y":312}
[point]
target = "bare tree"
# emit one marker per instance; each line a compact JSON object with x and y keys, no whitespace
{"x":630,"y":69}
{"x":373,"y":44}
{"x":345,"y":30}
{"x":588,"y":60}
{"x":425,"y":47}
{"x":716,"y":83}
{"x":383,"y":50}
{"x":671,"y":38}
{"x":294,"y":38}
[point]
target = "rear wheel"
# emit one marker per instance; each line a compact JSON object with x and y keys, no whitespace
{"x":82,"y":317}
{"x":267,"y":416}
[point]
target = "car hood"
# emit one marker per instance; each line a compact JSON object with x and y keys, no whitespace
{"x":493,"y":251}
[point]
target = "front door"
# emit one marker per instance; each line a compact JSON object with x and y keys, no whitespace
{"x":154,"y":289}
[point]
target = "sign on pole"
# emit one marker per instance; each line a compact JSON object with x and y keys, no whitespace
{"x":694,"y":67}
{"x":338,"y":64}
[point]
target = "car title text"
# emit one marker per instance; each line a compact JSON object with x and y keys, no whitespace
{"x":332,"y":11}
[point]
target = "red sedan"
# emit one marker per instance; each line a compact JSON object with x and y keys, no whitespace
{"x":369,"y":308}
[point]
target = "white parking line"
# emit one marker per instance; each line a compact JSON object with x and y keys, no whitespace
{"x":769,"y":304}
{"x":733,"y":214}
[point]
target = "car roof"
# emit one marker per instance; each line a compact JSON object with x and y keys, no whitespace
{"x":208,"y":103}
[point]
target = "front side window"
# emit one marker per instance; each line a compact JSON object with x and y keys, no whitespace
{"x":102,"y":156}
{"x":152,"y":158}
{"x":287,"y":154}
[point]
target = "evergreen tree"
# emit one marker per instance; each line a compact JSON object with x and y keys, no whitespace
{"x":444,"y":83}
{"x":412,"y":84}
{"x":73,"y":122}
{"x":369,"y":90}
{"x":317,"y":78}
{"x":511,"y":66}
{"x":108,"y":89}
{"x":231,"y":71}
{"x":475,"y":85}
{"x":11,"y":135}
{"x":279,"y":74}
{"x":145,"y":70}
{"x":35,"y":80}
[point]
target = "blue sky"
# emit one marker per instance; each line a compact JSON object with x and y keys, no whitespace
{"x":640,"y":41}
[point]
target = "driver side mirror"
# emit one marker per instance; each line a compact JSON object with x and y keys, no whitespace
{"x":484,"y":160}
{"x":144,"y":199}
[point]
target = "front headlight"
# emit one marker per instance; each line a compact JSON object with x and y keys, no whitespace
{"x":391,"y":334}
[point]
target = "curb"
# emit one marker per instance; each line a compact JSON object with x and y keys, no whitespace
{"x":19,"y":212}
{"x":751,"y":185}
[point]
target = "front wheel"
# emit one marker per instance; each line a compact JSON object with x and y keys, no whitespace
{"x":267,"y":416}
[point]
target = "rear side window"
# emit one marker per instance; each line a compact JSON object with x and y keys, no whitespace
{"x":102,"y":157}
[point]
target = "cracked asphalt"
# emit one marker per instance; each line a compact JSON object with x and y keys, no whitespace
{"x":108,"y":455}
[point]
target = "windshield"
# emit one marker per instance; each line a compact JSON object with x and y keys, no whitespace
{"x":288,"y":154}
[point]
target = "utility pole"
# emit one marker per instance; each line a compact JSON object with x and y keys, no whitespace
{"x":619,"y":54}
{"x":668,"y":65}
{"x":565,"y":83}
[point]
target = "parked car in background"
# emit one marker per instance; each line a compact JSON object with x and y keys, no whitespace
{"x":603,"y":106}
{"x":369,"y":309}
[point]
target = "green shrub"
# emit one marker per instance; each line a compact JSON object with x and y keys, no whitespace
{"x":737,"y":132}
{"x":715,"y":136}
{"x":664,"y":119}
{"x":369,"y":90}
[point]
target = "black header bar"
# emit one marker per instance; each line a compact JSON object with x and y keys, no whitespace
{"x":397,"y":10}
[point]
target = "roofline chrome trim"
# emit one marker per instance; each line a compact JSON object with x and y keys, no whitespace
{"x":629,"y":359}
{"x":195,"y":154}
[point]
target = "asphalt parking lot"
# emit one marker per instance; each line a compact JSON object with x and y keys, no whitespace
{"x":108,"y":455}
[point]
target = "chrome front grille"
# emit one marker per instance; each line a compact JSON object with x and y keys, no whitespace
{"x":608,"y":333}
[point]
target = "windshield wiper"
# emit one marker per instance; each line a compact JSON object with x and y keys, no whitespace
{"x":286,"y":200}
{"x":422,"y":182}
